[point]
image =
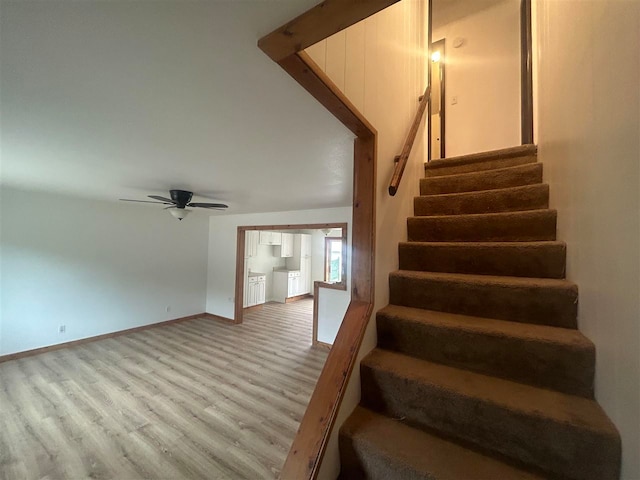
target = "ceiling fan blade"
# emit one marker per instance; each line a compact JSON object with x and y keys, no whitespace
{"x":140,"y":201}
{"x":209,"y":205}
{"x":162,"y":199}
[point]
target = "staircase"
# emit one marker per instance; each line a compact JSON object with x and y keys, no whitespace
{"x":480,"y":372}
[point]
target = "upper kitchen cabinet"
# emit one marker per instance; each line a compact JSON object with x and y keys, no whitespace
{"x":285,"y":249}
{"x":269,"y":237}
{"x":251,"y":240}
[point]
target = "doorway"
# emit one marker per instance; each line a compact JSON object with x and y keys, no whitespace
{"x":480,"y":70}
{"x":280,"y":265}
{"x":437,"y":102}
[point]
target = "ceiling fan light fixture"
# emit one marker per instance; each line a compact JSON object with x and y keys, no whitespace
{"x":179,"y":213}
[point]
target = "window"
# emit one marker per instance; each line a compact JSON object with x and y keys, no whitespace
{"x":333,"y":260}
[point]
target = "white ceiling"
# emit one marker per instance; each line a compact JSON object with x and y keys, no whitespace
{"x":111,"y":99}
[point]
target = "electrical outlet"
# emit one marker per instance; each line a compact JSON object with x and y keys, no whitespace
{"x":62,"y":328}
{"x":168,"y":308}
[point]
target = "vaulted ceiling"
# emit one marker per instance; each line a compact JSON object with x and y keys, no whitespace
{"x":112,"y":99}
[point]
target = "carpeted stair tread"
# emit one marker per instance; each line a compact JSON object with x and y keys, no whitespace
{"x":559,"y":433}
{"x":505,"y":157}
{"x":528,"y":197}
{"x":557,"y":358}
{"x":527,"y":174}
{"x":542,"y":301}
{"x":376,"y":447}
{"x":521,"y":259}
{"x":528,"y":226}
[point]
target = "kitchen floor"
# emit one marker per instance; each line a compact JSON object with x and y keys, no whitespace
{"x":299,"y":313}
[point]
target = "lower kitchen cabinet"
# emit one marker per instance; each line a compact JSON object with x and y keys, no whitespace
{"x":256,"y":290}
{"x":287,"y":284}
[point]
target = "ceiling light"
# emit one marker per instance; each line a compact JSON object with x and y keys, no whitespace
{"x":326,"y":231}
{"x":435,"y":57}
{"x":179,"y":213}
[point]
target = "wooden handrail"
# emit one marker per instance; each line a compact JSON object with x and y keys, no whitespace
{"x":401,"y":160}
{"x":284,"y":47}
{"x":303,"y":461}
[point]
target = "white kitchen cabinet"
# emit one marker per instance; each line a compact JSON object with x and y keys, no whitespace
{"x":301,"y":260}
{"x":256,"y":290}
{"x":285,"y":249}
{"x":286,"y":284}
{"x":269,"y":237}
{"x":251,"y":239}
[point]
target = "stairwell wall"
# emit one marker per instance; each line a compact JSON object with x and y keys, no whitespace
{"x":588,"y":132}
{"x":379,"y":64}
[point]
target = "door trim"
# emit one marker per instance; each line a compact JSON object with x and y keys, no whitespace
{"x":240,"y":246}
{"x":526,"y":77}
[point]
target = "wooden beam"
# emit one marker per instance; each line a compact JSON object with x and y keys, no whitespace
{"x":364,"y":220}
{"x":316,"y":24}
{"x":306,"y":452}
{"x":239,"y":288}
{"x":308,"y":74}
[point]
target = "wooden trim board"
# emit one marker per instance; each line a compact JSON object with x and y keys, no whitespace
{"x":72,"y":343}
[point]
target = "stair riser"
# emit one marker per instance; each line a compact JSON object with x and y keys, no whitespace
{"x":532,"y":197}
{"x":374,"y":446}
{"x":492,"y":179}
{"x":541,"y":261}
{"x":520,"y":303}
{"x":555,"y":447}
{"x":359,"y":461}
{"x":538,"y":363}
{"x":490,"y":164}
{"x":539,"y":225}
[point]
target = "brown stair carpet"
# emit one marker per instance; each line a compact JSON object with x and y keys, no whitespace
{"x":528,"y":174}
{"x":517,"y":259}
{"x":480,"y":372}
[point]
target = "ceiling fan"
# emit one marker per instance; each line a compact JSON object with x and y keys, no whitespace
{"x":180,"y":199}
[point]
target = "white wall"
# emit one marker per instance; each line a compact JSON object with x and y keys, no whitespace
{"x":588,"y":132}
{"x":96,"y":267}
{"x":484,"y":75}
{"x":379,"y":64}
{"x":317,"y":256}
{"x":222,"y":255}
{"x":332,"y":304}
{"x":265,"y":262}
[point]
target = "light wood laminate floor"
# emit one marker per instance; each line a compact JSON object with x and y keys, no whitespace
{"x":196,"y":399}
